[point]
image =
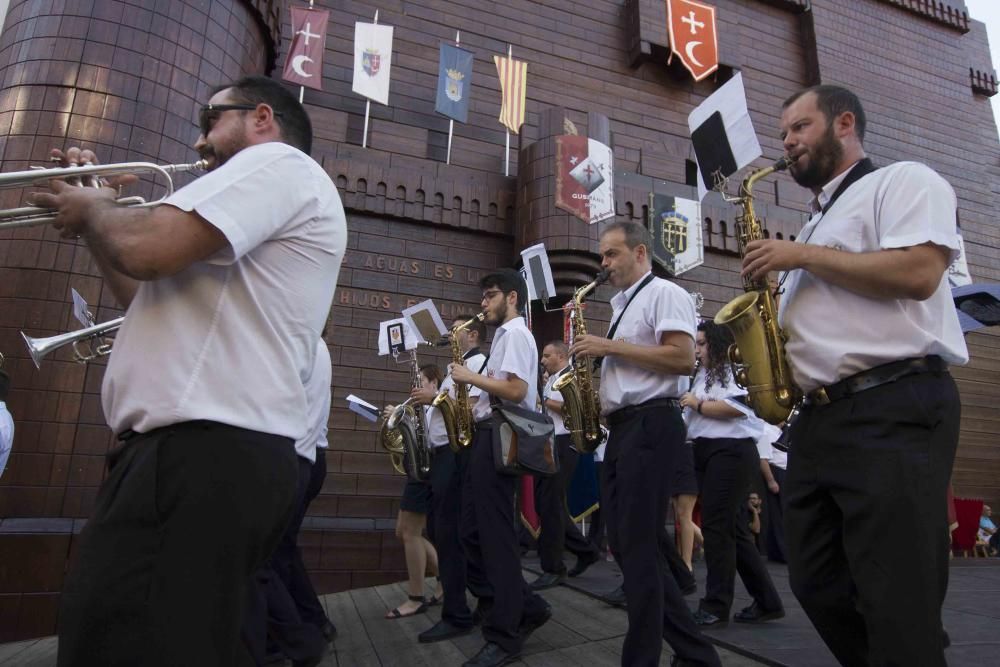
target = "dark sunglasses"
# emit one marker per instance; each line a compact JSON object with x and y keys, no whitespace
{"x":211,"y":112}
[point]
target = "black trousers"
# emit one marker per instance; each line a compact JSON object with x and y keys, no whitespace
{"x":272,"y":612}
{"x":489,"y":539}
{"x":638,"y":467}
{"x":446,"y":509}
{"x":288,"y":556}
{"x":774,"y":541}
{"x":184,"y":518}
{"x":558,"y":530}
{"x":866,"y":519}
{"x":596,"y":533}
{"x":726,"y":467}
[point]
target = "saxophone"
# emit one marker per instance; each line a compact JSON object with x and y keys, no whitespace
{"x":758,"y":356}
{"x":457,"y":412}
{"x":402,"y":435}
{"x":581,"y":404}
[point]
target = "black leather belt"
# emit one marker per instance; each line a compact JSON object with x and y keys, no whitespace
{"x":629,"y":411}
{"x":874,"y":377}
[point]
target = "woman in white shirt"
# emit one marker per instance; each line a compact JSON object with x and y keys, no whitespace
{"x":412,"y":519}
{"x":725,"y":454}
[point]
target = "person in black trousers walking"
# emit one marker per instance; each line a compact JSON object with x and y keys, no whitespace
{"x":725,"y":452}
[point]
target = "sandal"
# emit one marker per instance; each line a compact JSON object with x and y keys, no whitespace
{"x":393,"y":614}
{"x":434,"y":600}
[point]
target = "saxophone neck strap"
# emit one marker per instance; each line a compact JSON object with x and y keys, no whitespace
{"x":858,"y":171}
{"x":614,"y":326}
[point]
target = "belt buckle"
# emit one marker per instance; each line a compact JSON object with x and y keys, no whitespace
{"x":820,"y":397}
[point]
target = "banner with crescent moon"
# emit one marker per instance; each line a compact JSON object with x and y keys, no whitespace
{"x":693,"y":37}
{"x":304,"y":63}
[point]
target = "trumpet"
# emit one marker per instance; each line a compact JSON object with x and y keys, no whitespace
{"x":31,"y":216}
{"x":95,"y":337}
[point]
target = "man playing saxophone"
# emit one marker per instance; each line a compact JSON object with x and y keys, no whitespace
{"x":871,"y":329}
{"x":447,"y":470}
{"x":228,"y":285}
{"x":487,"y":523}
{"x":648,"y":358}
{"x":558,"y":530}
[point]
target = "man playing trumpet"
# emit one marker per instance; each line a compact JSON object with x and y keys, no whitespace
{"x":227,"y":285}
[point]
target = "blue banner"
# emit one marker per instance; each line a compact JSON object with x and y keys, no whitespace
{"x":454,"y":82}
{"x":581,"y":496}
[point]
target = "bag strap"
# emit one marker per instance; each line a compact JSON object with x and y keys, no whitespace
{"x":614,"y":327}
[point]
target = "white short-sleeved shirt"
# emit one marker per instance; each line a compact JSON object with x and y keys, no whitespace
{"x":474,"y":360}
{"x":318,"y":397}
{"x":549,"y":394}
{"x":660,"y":307}
{"x":232,"y":338}
{"x":702,"y":426}
{"x":834,"y":333}
{"x":765,"y":445}
{"x":513,"y":353}
{"x":6,"y":435}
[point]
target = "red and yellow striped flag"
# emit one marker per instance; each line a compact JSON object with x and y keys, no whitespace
{"x":514,"y":84}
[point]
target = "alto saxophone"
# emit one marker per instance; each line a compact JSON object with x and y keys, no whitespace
{"x":457,"y":412}
{"x":758,"y":356}
{"x":402,"y":435}
{"x":581,"y":405}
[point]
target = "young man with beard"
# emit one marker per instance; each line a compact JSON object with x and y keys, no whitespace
{"x":648,"y":359}
{"x":487,"y":523}
{"x":228,"y":285}
{"x":871,"y":329}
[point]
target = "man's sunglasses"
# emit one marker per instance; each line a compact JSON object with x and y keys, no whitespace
{"x":211,"y":112}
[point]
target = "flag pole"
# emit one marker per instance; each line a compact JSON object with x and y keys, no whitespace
{"x":451,"y":121}
{"x":302,"y":89}
{"x":506,"y":155}
{"x":368,"y":106}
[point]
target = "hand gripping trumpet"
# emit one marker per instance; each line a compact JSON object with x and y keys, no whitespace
{"x":758,"y":356}
{"x":457,"y":412}
{"x":581,"y":404}
{"x":30,"y":216}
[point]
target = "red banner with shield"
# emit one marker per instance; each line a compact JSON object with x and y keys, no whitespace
{"x":693,"y":37}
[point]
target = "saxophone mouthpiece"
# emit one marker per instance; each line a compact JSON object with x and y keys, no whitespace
{"x":602,"y":277}
{"x":785,"y":161}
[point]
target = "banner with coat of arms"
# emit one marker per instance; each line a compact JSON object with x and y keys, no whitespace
{"x":454,"y":82}
{"x":676,"y":227}
{"x":584,"y":178}
{"x":372,"y":61}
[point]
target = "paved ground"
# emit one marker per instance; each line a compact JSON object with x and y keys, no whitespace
{"x":585,"y":631}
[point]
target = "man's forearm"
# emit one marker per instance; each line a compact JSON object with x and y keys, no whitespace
{"x":902,"y":273}
{"x":122,"y":286}
{"x":667,"y":359}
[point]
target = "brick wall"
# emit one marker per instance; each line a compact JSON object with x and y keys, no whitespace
{"x":422,"y":229}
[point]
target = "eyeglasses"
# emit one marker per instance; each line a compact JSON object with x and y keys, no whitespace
{"x":489,"y":294}
{"x":211,"y":112}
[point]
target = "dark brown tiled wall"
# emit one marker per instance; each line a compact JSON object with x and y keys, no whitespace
{"x":128,"y":76}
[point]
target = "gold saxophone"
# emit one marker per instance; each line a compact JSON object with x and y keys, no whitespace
{"x":402,"y":435}
{"x":581,"y":404}
{"x":758,"y":356}
{"x":457,"y":412}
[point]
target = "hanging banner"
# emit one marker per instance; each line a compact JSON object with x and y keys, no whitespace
{"x":514,"y":86}
{"x":693,"y":37}
{"x":675,"y":225}
{"x":584,"y":178}
{"x":454,"y":82}
{"x":372,"y":60}
{"x":304,"y":63}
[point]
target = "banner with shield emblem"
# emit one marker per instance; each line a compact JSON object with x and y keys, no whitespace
{"x":676,"y":227}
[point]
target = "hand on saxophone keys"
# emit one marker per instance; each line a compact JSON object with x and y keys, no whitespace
{"x":423,"y":395}
{"x":766,"y":255}
{"x":461,"y":373}
{"x":591,"y":345}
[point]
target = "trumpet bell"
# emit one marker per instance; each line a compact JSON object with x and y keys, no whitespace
{"x":39,"y":348}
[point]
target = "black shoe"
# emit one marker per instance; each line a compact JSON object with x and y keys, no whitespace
{"x":707,"y":619}
{"x":308,"y":662}
{"x":677,"y":661}
{"x":329,"y":631}
{"x":583,"y":562}
{"x":616,"y":598}
{"x":755,"y":614}
{"x":441,"y":631}
{"x":491,"y":655}
{"x":547,"y":580}
{"x":531,"y":623}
